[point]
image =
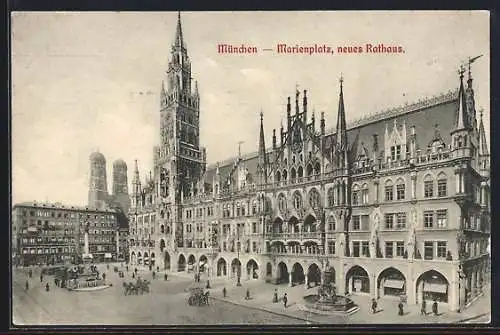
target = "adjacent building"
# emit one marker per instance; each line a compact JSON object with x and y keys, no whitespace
{"x":55,"y":234}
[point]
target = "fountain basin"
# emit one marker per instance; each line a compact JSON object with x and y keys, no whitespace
{"x":90,"y":289}
{"x":330,"y":304}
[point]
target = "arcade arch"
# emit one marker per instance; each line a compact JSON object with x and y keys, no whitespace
{"x":391,"y":282}
{"x":181,"y":263}
{"x":432,"y":285}
{"x":313,"y":274}
{"x":357,"y":280}
{"x":298,"y":276}
{"x":221,"y":267}
{"x":166,"y":260}
{"x":235,"y":268}
{"x":282,"y":273}
{"x":252,"y":269}
{"x":203,"y":266}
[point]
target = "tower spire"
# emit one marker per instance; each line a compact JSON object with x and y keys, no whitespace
{"x":163,"y":95}
{"x":196,"y":93}
{"x":136,"y":172}
{"x":341,"y":122}
{"x":483,"y":146}
{"x":179,"y":40}
{"x":262,"y":151}
{"x":462,"y":120}
{"x":262,"y":146}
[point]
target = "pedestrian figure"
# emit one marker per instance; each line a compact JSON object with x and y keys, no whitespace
{"x":435,"y":307}
{"x":157,"y":269}
{"x":47,"y":287}
{"x":208,"y":284}
{"x":150,"y":268}
{"x":374,"y":305}
{"x":400,"y":307}
{"x":133,"y":275}
{"x":165,"y":277}
{"x":224,"y":291}
{"x":199,"y":277}
{"x":107,"y":266}
{"x":126,"y":268}
{"x":30,"y":273}
{"x":104,"y":276}
{"x":41,"y":278}
{"x":423,"y":309}
{"x":154,"y":275}
{"x":247,"y":297}
{"x":55,"y":281}
{"x":27,"y":286}
{"x":275,"y":297}
{"x":285,"y":300}
{"x":135,"y":270}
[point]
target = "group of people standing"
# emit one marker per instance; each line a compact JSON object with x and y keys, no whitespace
{"x":30,"y":275}
{"x":423,"y":308}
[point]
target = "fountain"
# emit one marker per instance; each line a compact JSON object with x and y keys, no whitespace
{"x":327,"y":300}
{"x":85,"y":279}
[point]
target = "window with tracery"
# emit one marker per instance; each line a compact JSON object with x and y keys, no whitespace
{"x":297,"y":200}
{"x":282,"y":202}
{"x":314,"y":199}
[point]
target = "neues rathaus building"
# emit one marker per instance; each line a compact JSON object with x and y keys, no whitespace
{"x":394,"y":204}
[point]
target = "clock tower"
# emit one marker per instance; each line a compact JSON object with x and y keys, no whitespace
{"x":179,"y":160}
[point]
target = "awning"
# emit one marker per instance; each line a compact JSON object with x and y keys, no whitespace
{"x":87,"y":256}
{"x":436,"y":288}
{"x":202,"y":263}
{"x":394,"y":283}
{"x":107,"y":255}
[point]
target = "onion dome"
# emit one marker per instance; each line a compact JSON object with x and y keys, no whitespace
{"x":97,"y":157}
{"x":120,"y":163}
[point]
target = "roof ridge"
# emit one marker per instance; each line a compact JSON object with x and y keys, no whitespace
{"x":401,"y":109}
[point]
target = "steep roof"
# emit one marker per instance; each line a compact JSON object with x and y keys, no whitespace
{"x":423,"y":115}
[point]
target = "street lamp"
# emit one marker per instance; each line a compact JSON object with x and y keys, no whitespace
{"x":238,"y":283}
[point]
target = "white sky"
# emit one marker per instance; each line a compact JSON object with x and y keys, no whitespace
{"x":77,"y":79}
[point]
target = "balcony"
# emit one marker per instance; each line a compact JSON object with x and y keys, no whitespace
{"x":294,"y":236}
{"x":432,"y":157}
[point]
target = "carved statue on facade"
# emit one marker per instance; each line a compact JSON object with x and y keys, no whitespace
{"x":410,"y":245}
{"x":374,"y":235}
{"x":342,"y":244}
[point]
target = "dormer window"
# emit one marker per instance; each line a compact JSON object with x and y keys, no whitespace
{"x":395,"y":152}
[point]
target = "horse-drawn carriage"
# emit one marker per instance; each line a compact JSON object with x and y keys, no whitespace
{"x":139,"y":287}
{"x":197,"y":296}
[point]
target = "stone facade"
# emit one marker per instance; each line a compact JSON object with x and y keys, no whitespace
{"x":397,"y":204}
{"x":54,"y":234}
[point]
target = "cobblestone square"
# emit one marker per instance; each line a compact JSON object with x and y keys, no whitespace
{"x":166,"y":304}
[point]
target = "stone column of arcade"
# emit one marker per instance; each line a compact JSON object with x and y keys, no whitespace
{"x":411,"y":285}
{"x":474,"y":283}
{"x":290,"y":283}
{"x":306,"y":282}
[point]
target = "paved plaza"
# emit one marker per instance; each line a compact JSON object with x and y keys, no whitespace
{"x":166,"y":304}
